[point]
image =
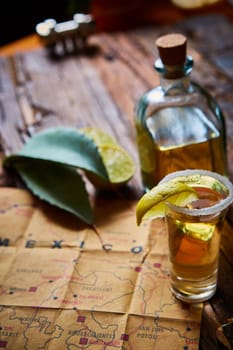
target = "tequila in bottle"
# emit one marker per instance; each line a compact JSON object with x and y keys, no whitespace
{"x":179,"y":124}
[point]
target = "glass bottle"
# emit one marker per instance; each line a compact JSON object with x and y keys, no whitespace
{"x":179,"y":125}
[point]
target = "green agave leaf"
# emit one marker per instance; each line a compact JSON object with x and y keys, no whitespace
{"x":57,"y":184}
{"x":64,"y":145}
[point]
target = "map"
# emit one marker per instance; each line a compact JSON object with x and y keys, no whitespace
{"x":66,"y":285}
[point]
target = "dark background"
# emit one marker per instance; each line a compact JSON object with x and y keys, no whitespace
{"x":18,"y":18}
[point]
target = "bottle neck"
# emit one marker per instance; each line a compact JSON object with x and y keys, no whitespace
{"x":175,"y":86}
{"x":175,"y":79}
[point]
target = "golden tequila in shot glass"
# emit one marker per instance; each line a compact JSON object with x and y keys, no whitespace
{"x":194,"y":234}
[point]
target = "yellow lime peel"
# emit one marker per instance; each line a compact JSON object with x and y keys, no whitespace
{"x":152,"y":204}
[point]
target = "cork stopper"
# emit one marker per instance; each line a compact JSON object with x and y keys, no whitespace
{"x":172,"y":49}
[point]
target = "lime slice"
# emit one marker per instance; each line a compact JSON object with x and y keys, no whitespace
{"x":152,"y":204}
{"x":118,"y":163}
{"x":98,"y":136}
{"x":201,"y":230}
{"x":120,"y":166}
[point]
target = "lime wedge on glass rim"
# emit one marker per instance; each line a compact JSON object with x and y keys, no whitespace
{"x":152,"y":204}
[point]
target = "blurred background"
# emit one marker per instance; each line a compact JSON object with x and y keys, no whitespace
{"x":19,"y":18}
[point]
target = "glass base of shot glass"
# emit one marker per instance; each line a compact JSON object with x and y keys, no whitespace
{"x":193,"y":290}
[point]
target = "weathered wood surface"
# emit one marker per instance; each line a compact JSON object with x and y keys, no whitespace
{"x":101,"y":88}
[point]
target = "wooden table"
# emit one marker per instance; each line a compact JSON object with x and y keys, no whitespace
{"x":101,"y":87}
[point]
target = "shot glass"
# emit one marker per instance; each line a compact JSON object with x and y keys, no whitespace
{"x":194,"y":234}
